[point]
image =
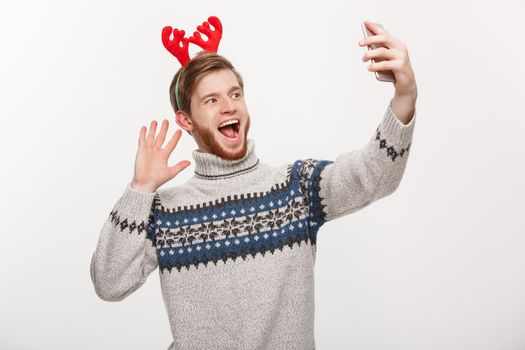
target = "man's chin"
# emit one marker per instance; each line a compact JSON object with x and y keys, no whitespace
{"x":231,"y":152}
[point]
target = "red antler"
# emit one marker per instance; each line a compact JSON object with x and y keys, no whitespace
{"x":214,"y":36}
{"x":174,"y":46}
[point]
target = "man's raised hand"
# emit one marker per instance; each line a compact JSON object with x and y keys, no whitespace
{"x":151,"y":162}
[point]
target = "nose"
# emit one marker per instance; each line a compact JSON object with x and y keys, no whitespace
{"x":228,"y":106}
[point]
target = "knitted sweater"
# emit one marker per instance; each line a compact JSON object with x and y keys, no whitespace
{"x":235,"y":245}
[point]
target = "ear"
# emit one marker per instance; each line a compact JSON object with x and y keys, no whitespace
{"x":183,"y":120}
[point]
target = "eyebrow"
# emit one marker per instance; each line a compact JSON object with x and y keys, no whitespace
{"x":232,"y":89}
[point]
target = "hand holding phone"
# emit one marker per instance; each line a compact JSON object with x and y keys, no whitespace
{"x":386,"y":75}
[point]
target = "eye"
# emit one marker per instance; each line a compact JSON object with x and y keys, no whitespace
{"x":210,"y":99}
{"x":237,"y":95}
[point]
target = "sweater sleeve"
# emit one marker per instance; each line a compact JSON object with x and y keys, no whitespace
{"x":125,"y":254}
{"x":359,"y":177}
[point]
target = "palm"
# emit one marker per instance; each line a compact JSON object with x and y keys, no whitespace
{"x":151,"y":163}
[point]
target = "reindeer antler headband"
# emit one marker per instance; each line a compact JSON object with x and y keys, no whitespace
{"x":179,"y":45}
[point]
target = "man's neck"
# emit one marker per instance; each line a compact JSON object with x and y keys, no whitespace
{"x":213,"y":167}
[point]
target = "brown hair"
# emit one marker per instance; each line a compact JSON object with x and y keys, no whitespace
{"x":203,"y":63}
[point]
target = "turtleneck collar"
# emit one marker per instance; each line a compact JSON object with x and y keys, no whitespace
{"x":212,"y":167}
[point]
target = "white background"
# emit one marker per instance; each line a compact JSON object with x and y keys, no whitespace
{"x":439,"y":264}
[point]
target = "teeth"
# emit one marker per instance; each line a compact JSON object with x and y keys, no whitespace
{"x":228,"y":123}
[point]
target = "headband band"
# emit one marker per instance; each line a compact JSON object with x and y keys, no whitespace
{"x":177,"y":92}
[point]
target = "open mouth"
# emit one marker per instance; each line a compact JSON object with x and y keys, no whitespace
{"x":230,"y":129}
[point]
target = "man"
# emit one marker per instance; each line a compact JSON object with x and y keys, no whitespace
{"x":235,"y":244}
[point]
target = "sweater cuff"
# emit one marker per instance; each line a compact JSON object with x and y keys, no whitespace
{"x":394,"y":131}
{"x":135,"y":204}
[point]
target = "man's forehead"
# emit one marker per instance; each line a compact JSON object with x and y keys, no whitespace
{"x":217,"y":82}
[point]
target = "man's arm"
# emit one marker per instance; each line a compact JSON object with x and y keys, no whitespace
{"x":359,"y":177}
{"x":125,"y":253}
{"x":404,"y":107}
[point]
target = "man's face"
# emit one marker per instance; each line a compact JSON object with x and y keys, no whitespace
{"x":218,"y":98}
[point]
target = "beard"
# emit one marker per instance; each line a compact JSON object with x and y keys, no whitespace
{"x":209,"y":138}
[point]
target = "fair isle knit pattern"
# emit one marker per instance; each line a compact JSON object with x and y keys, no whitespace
{"x":238,"y":226}
{"x":235,"y":245}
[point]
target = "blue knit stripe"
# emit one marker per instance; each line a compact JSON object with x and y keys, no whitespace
{"x":258,"y":240}
{"x":230,"y":208}
{"x":317,"y":213}
{"x":233,"y":247}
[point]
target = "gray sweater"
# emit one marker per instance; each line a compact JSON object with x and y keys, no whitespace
{"x":235,"y":245}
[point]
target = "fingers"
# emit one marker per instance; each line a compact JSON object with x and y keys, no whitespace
{"x":150,"y":139}
{"x":177,"y":168}
{"x":379,"y":53}
{"x":162,"y":134}
{"x":373,"y":28}
{"x":151,"y":133}
{"x":142,"y":135}
{"x":173,"y":142}
{"x":382,"y":66}
{"x":382,"y":39}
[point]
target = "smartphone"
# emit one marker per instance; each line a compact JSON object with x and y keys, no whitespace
{"x":385,"y":75}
